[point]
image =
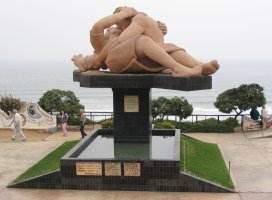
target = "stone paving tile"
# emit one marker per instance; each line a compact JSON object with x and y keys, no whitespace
{"x":59,"y":136}
{"x":15,"y":158}
{"x":259,"y":134}
{"x":5,"y":136}
{"x":28,"y":194}
{"x":256,"y":196}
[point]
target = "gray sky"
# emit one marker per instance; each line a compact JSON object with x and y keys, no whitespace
{"x":54,"y":30}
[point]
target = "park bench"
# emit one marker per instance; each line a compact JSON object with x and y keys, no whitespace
{"x":249,"y":124}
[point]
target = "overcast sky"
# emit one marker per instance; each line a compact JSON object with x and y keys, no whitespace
{"x":54,"y":30}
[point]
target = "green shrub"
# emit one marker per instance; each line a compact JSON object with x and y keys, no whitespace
{"x":108,"y":123}
{"x":74,"y":120}
{"x":8,"y":103}
{"x":209,"y":126}
{"x":232,"y":122}
{"x":164,"y":125}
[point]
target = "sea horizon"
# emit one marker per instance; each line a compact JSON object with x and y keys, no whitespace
{"x":28,"y":80}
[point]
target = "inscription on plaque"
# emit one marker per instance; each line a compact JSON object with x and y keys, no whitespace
{"x":89,"y":168}
{"x":112,"y":169}
{"x":131,"y":103}
{"x":132,"y":169}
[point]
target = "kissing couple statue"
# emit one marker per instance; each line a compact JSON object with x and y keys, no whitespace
{"x":129,"y":41}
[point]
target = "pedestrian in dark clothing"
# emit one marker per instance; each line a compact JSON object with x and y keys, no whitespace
{"x":254,"y":114}
{"x":82,"y":124}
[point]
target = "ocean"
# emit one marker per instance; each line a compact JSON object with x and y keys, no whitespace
{"x":29,"y":80}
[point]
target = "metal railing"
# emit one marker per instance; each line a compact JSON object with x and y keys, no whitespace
{"x":99,"y":116}
{"x":197,"y":117}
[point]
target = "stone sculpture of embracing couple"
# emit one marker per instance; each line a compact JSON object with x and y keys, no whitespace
{"x":129,"y":41}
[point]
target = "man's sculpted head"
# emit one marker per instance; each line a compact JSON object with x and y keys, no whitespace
{"x":123,"y":24}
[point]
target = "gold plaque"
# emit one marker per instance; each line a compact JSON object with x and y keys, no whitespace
{"x":112,"y":169}
{"x":132,"y":169}
{"x":131,"y":103}
{"x":89,"y":168}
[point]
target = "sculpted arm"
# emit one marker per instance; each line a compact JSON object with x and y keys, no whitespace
{"x":136,"y":28}
{"x":97,"y":38}
{"x":142,"y":24}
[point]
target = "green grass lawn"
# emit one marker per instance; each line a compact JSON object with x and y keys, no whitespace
{"x":204,"y":160}
{"x":49,"y":163}
{"x":197,"y":158}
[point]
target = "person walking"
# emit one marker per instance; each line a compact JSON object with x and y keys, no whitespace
{"x":63,"y":121}
{"x":82,"y":124}
{"x":17,"y":130}
{"x":266,"y":118}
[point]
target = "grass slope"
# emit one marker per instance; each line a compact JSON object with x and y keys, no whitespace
{"x":49,"y":163}
{"x":204,"y":160}
{"x":198,"y":158}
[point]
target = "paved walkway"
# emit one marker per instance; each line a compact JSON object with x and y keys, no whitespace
{"x":260,"y":134}
{"x":251,"y":162}
{"x":251,"y":167}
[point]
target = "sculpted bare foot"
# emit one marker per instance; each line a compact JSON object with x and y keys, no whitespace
{"x":209,"y":67}
{"x":215,"y":64}
{"x":84,"y":63}
{"x":192,"y":72}
{"x":79,"y":62}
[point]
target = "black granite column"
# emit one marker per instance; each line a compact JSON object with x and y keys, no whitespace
{"x":132,"y":114}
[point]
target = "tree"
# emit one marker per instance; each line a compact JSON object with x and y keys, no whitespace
{"x":240,"y":99}
{"x":180,"y":107}
{"x":160,"y":107}
{"x":56,"y":100}
{"x":8,"y":103}
{"x":155,"y":108}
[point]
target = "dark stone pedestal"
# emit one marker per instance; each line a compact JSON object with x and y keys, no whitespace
{"x":131,"y":156}
{"x":132,"y":98}
{"x":133,"y":166}
{"x":95,"y":79}
{"x":132,"y":112}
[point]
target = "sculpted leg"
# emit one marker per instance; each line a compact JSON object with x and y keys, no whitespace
{"x":186,"y":59}
{"x":147,"y":47}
